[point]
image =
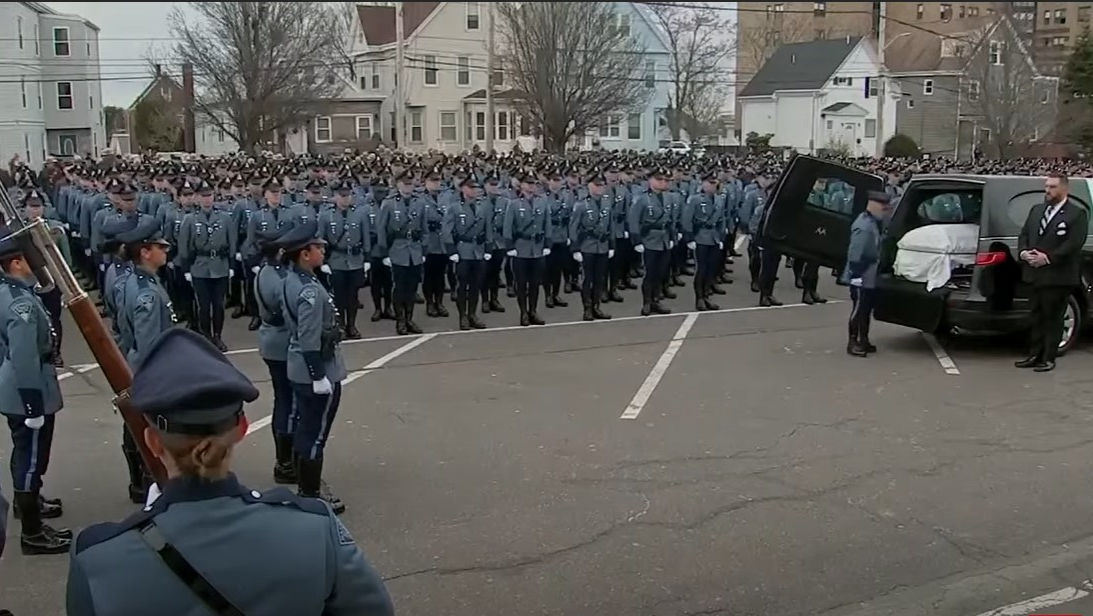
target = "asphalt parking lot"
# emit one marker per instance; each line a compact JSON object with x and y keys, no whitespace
{"x":736,"y":463}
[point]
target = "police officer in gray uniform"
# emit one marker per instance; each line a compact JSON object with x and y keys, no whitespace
{"x":703,"y":223}
{"x":433,"y":204}
{"x":860,"y":272}
{"x":466,"y":231}
{"x":345,"y":227}
{"x":652,"y":232}
{"x":30,"y":396}
{"x":315,"y":364}
{"x":400,"y":231}
{"x":526,"y":231}
{"x":592,"y":237}
{"x":146,"y":307}
{"x":207,"y":241}
{"x":208,"y":544}
{"x":498,"y":203}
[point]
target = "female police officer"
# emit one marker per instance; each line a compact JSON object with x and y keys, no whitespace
{"x":315,"y":364}
{"x":209,"y":544}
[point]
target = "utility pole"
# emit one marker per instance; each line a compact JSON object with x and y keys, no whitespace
{"x":189,"y":126}
{"x":489,"y":77}
{"x":882,"y":86}
{"x":400,"y":60}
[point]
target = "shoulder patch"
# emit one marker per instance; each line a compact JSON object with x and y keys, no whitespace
{"x":344,"y":538}
{"x":146,"y":298}
{"x":309,"y":294}
{"x":23,"y":308}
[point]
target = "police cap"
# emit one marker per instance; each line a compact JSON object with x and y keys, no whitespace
{"x":273,"y":184}
{"x":434,"y":173}
{"x":406,"y":177}
{"x":493,"y":177}
{"x":301,"y":236}
{"x":186,"y":187}
{"x":33,"y":198}
{"x":471,"y":181}
{"x":269,"y":237}
{"x":315,"y":186}
{"x":204,"y":188}
{"x":596,"y":176}
{"x":661,"y":172}
{"x":879,"y":196}
{"x":141,"y":230}
{"x":342,"y":186}
{"x":209,"y":401}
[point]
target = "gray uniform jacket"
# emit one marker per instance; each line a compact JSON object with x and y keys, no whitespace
{"x":310,"y":315}
{"x":401,"y":229}
{"x":269,"y":290}
{"x":308,"y":211}
{"x":28,"y":380}
{"x":527,"y":227}
{"x":207,"y":243}
{"x":434,"y":207}
{"x":497,"y":204}
{"x":371,"y":211}
{"x":147,"y":312}
{"x":241,"y":211}
{"x":348,"y":237}
{"x":591,"y":230}
{"x":864,"y":251}
{"x":621,"y":200}
{"x":560,"y":214}
{"x":704,"y":221}
{"x":262,"y":219}
{"x":651,"y":222}
{"x":118,"y":323}
{"x":468,"y":228}
{"x":268,"y":553}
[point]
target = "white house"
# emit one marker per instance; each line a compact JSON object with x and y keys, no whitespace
{"x":820,"y":95}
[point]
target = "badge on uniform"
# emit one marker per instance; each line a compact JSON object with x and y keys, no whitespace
{"x":308,"y":295}
{"x":344,"y":538}
{"x":22,"y":309}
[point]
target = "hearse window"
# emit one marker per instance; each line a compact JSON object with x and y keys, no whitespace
{"x":950,"y":208}
{"x":1017,"y":211}
{"x":833,"y":195}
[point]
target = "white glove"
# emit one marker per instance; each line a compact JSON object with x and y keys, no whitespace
{"x":610,"y":253}
{"x":367,"y":267}
{"x":856,"y":282}
{"x":454,"y":258}
{"x":231,"y":273}
{"x":568,"y":242}
{"x":102,"y":267}
{"x":546,"y":252}
{"x":721,"y":245}
{"x":87,"y":252}
{"x":322,"y":387}
{"x":324,"y":268}
{"x":511,"y":253}
{"x":76,"y":234}
{"x":170,"y":265}
{"x":487,"y":256}
{"x":671,"y":245}
{"x":691,"y":245}
{"x":387,"y":261}
{"x":255,"y":269}
{"x":189,"y":277}
{"x":35,"y":423}
{"x":578,"y":257}
{"x":239,"y":257}
{"x":153,"y":494}
{"x":626,"y":234}
{"x":639,"y":248}
{"x":679,"y":237}
{"x":65,"y":225}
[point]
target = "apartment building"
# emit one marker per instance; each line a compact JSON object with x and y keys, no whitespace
{"x":1057,"y":26}
{"x":50,"y":84}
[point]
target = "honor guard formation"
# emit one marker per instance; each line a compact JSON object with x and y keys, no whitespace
{"x":288,"y":244}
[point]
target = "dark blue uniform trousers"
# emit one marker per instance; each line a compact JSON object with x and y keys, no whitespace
{"x":30,"y":452}
{"x":285,"y":414}
{"x":316,"y":418}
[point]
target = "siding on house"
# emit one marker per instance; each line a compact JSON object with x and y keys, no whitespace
{"x":930,"y":119}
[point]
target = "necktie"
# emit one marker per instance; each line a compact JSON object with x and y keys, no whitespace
{"x":1046,"y":219}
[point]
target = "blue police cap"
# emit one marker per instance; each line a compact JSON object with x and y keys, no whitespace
{"x":9,"y":247}
{"x":267,"y":237}
{"x":207,"y":402}
{"x":879,"y":196}
{"x":33,"y":195}
{"x":141,"y":230}
{"x":301,"y":236}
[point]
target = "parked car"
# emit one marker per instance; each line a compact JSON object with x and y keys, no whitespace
{"x":985,"y":294}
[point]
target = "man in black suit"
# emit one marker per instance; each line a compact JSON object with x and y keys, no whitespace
{"x":1049,"y":247}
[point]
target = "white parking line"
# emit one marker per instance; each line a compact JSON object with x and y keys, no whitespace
{"x":382,"y":361}
{"x":1036,"y":604}
{"x":657,"y":373}
{"x":77,"y":369}
{"x":941,"y":354}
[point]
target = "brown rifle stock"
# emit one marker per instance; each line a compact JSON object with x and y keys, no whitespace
{"x":50,"y":268}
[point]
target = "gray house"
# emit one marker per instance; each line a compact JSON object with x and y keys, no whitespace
{"x":974,"y":90}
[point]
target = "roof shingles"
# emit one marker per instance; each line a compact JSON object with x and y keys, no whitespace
{"x":800,"y":66}
{"x":378,"y":22}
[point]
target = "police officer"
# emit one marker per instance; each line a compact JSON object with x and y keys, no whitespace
{"x":345,"y":227}
{"x":400,"y":231}
{"x":553,"y":201}
{"x":380,"y":274}
{"x":270,"y":214}
{"x":269,"y":291}
{"x":184,"y":553}
{"x":466,"y":231}
{"x":591,"y":234}
{"x":498,"y":203}
{"x":315,"y":364}
{"x":620,"y":267}
{"x":206,"y":243}
{"x":146,"y":307}
{"x":34,"y":209}
{"x":182,"y":292}
{"x":433,"y":204}
{"x":653,"y":235}
{"x":526,"y":229}
{"x":30,"y":397}
{"x":860,"y":272}
{"x":703,"y":226}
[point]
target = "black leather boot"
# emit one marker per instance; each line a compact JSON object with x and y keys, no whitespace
{"x":472,"y":313}
{"x":598,"y":314}
{"x":495,"y":304}
{"x":588,"y":316}
{"x":400,"y":320}
{"x":37,"y":538}
{"x":284,"y":469}
{"x":410,"y":325}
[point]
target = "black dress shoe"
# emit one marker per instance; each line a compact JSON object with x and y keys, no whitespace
{"x":1028,"y":362}
{"x":1046,"y":366}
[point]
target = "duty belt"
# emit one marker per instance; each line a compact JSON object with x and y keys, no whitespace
{"x":353,"y":250}
{"x":535,"y":237}
{"x":433,"y":226}
{"x":475,"y":239}
{"x":212,"y":253}
{"x":413,"y":236}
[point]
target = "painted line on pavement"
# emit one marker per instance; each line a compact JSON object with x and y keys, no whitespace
{"x":657,"y":373}
{"x":353,"y":376}
{"x":1036,"y":604}
{"x":508,"y":328}
{"x":941,"y":354}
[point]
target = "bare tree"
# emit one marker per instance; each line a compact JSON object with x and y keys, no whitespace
{"x":261,"y":68}
{"x":700,"y":42}
{"x":1011,"y":98}
{"x":570,"y":65}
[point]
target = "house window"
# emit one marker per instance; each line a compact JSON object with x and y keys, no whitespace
{"x":973,"y":11}
{"x":928,"y":87}
{"x":821,"y":34}
{"x":1083,"y":14}
{"x":448,"y":130}
{"x":946,"y":12}
{"x":375,"y":75}
{"x":220,"y":135}
{"x":874,"y":88}
{"x":37,"y":41}
{"x":39,"y":94}
{"x":364,"y":82}
{"x":525,"y":126}
{"x":498,"y":77}
{"x":1047,"y":18}
{"x":66,"y":144}
{"x":61,"y":46}
{"x":844,"y":81}
{"x":468,"y":127}
{"x":64,"y":95}
{"x":88,"y":49}
{"x":417,"y":127}
{"x":996,"y":53}
{"x":650,"y":73}
{"x":779,"y":8}
{"x":90,"y":102}
{"x":430,"y":71}
{"x":322,"y":129}
{"x":474,"y":21}
{"x":870,"y":129}
{"x":961,"y":11}
{"x":1035,"y":134}
{"x":830,"y":124}
{"x":622,"y":24}
{"x":610,"y":127}
{"x":919,"y":11}
{"x":364,"y":127}
{"x":23,"y":90}
{"x":480,"y":126}
{"x":19,"y":29}
{"x":1060,"y":16}
{"x":910,"y":103}
{"x":1045,"y":97}
{"x":502,"y":125}
{"x":633,"y":126}
{"x":819,"y":9}
{"x":973,"y":90}
{"x":463,"y":76}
